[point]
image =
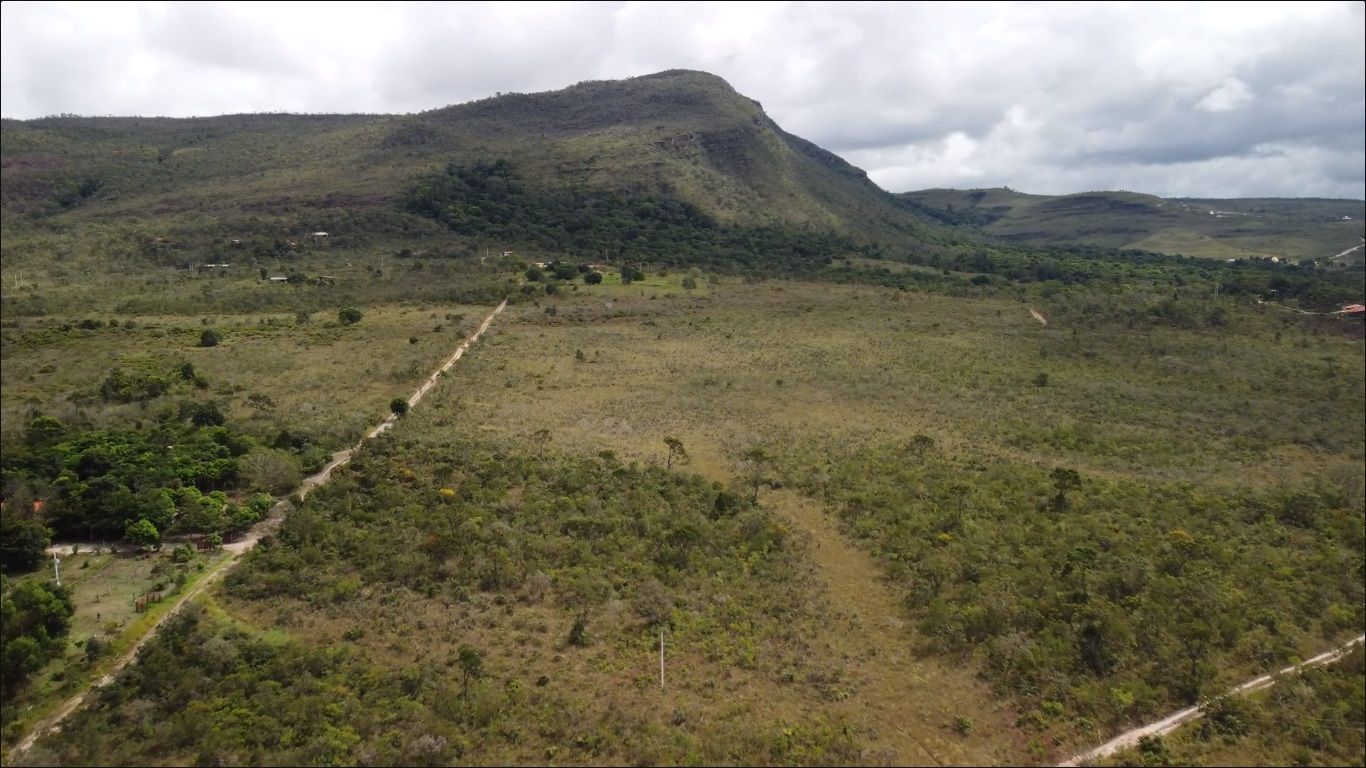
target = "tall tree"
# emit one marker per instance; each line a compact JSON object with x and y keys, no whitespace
{"x":676,"y":452}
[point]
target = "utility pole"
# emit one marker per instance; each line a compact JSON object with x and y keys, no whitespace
{"x":57,"y":574}
{"x":661,"y":657}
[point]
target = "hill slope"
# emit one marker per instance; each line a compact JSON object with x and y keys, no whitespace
{"x":1300,"y":228}
{"x":677,"y":136}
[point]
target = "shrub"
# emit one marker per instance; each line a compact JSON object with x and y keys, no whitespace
{"x":578,"y":634}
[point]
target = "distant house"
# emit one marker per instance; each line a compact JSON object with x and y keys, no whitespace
{"x":506,"y":254}
{"x":235,"y":243}
{"x":217,"y":266}
{"x":1353,"y":310}
{"x":278,"y":279}
{"x":319,"y":234}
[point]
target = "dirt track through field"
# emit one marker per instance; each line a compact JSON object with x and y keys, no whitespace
{"x":240,"y":547}
{"x":1173,"y":721}
{"x":909,"y":703}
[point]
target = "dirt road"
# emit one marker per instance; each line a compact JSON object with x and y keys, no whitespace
{"x":1172,"y":721}
{"x":240,"y":547}
{"x":1349,"y":250}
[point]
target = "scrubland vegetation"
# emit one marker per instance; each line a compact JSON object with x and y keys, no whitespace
{"x":1103,"y":518}
{"x":470,"y":604}
{"x":1316,"y":717}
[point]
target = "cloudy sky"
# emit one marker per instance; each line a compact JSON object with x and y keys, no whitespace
{"x":1217,"y":100}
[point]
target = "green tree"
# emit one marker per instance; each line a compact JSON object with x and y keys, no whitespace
{"x":471,"y":665}
{"x":349,"y":315}
{"x":592,"y":278}
{"x":35,"y":616}
{"x":399,"y":406}
{"x":142,"y":533}
{"x":1064,"y":482}
{"x":919,"y":445}
{"x":270,"y":470}
{"x":756,"y":462}
{"x":676,"y":452}
{"x":22,"y":541}
{"x":208,"y":338}
{"x":20,"y":658}
{"x":95,"y":647}
{"x":578,"y":634}
{"x":542,"y":438}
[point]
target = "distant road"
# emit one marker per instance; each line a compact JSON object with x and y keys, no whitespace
{"x":1171,"y":722}
{"x":237,"y":548}
{"x":1349,"y":250}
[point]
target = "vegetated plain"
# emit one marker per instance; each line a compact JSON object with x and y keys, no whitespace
{"x":1292,"y":229}
{"x":878,"y":512}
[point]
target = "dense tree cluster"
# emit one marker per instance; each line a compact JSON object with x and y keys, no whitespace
{"x":488,"y":200}
{"x":34,"y":618}
{"x":101,"y":483}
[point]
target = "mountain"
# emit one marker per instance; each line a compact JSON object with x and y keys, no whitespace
{"x":679,"y":139}
{"x":1295,"y":228}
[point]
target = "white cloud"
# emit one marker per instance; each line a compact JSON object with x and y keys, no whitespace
{"x":1230,"y":95}
{"x":1176,"y":99}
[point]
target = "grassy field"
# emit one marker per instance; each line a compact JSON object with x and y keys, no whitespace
{"x":269,"y":371}
{"x":1188,"y":243}
{"x":789,"y":363}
